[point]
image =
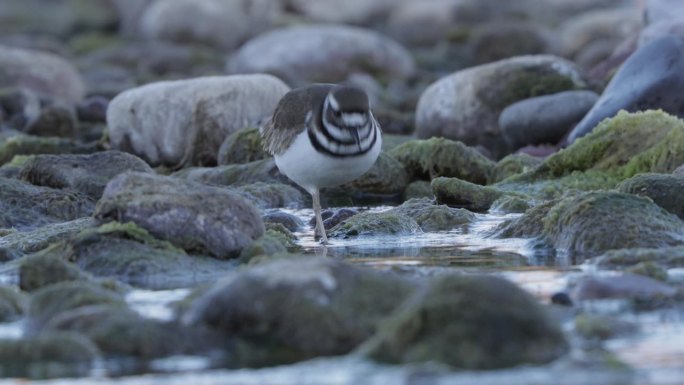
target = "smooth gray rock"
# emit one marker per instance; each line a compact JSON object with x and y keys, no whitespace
{"x":465,"y":105}
{"x":41,"y":72}
{"x":220,"y":23}
{"x":322,"y":53}
{"x":87,"y":174}
{"x":184,"y":122}
{"x":343,"y":11}
{"x":544,"y":119}
{"x":190,"y":215}
{"x":631,"y":286}
{"x":661,"y":10}
{"x":650,"y":79}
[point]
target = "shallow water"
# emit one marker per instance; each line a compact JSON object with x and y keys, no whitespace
{"x":655,"y":353}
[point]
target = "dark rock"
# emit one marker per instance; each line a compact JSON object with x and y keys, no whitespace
{"x":387,"y":177}
{"x":50,"y":301}
{"x":332,"y":218}
{"x":31,"y":145}
{"x":434,"y":217}
{"x":418,"y":189}
{"x":236,"y":174}
{"x":291,"y":222}
{"x":20,"y":243}
{"x":375,"y":224}
{"x":512,"y":165}
{"x":120,"y":332}
{"x":93,"y":109}
{"x":466,"y":105}
{"x":561,"y":298}
{"x":86,"y":174}
{"x":459,"y":193}
{"x":664,"y":189}
{"x":183,"y":122}
{"x":193,"y":216}
{"x":544,"y":119}
{"x":44,"y":269}
{"x":645,"y":81}
{"x":272,"y":243}
{"x":300,"y":308}
{"x":25,"y":206}
{"x":435,"y":157}
{"x":626,"y":286}
{"x":469,"y":322}
{"x":54,"y":120}
{"x":12,"y":304}
{"x":501,"y":40}
{"x":322,"y":53}
{"x":48,"y":355}
{"x":242,"y":146}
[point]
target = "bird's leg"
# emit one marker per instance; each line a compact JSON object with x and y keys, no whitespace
{"x":320,"y":229}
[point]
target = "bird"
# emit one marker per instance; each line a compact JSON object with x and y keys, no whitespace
{"x":323,"y":135}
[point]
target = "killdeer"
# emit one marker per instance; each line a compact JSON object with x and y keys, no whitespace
{"x":323,"y":135}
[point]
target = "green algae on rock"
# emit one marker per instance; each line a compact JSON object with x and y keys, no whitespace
{"x":418,"y":189}
{"x":31,"y":145}
{"x":271,"y":243}
{"x":625,"y":258}
{"x":513,"y":164}
{"x":20,"y":243}
{"x":273,"y":195}
{"x":298,"y":308}
{"x":47,"y":355}
{"x":387,"y":177}
{"x":434,"y":217}
{"x":435,"y":157}
{"x":375,"y":224}
{"x":242,"y":146}
{"x":461,"y":193}
{"x":468,"y":322}
{"x":664,"y":189}
{"x":617,"y":149}
{"x":44,"y":269}
{"x":12,"y":304}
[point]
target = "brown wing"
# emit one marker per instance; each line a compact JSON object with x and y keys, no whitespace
{"x":290,"y":115}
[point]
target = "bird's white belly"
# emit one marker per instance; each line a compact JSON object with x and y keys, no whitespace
{"x":311,"y":169}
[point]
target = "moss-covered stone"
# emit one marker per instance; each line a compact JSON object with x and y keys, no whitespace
{"x":51,"y":301}
{"x":26,"y":207}
{"x":529,"y":225}
{"x":460,"y":193}
{"x":435,"y":157}
{"x":242,"y":146}
{"x":625,"y":258}
{"x":289,"y":221}
{"x":12,"y":304}
{"x":418,"y":189}
{"x":48,"y":355}
{"x":524,"y":84}
{"x":602,"y":327}
{"x":509,"y":204}
{"x":649,"y":269}
{"x":664,"y":189}
{"x":272,"y":242}
{"x":273,"y":195}
{"x":468,"y":322}
{"x":375,"y":224}
{"x":40,"y":270}
{"x":387,"y":177}
{"x":236,"y":174}
{"x":433,"y":217}
{"x":30,"y":145}
{"x":130,"y":254}
{"x":595,"y":222}
{"x":390,"y":141}
{"x":617,"y":149}
{"x":513,"y":164}
{"x":295,"y":309}
{"x":20,"y":243}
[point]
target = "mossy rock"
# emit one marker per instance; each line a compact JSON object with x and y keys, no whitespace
{"x":460,"y":193}
{"x":273,"y":195}
{"x":664,"y":189}
{"x":595,"y":222}
{"x":130,"y":254}
{"x":298,"y":308}
{"x":601,"y":327}
{"x":31,"y":145}
{"x":509,"y":204}
{"x":289,"y":221}
{"x":12,"y":304}
{"x":431,"y":158}
{"x":390,"y":141}
{"x":375,"y":224}
{"x":43,"y":269}
{"x":242,"y":146}
{"x":434,"y":217}
{"x":271,"y":243}
{"x":528,"y":225}
{"x":617,"y":149}
{"x":649,"y":269}
{"x":513,"y":164}
{"x":387,"y":177}
{"x":468,"y":322}
{"x":120,"y":332}
{"x":21,"y":243}
{"x":418,"y":189}
{"x":51,"y":301}
{"x":664,"y":256}
{"x":264,"y":170}
{"x":47,"y":355}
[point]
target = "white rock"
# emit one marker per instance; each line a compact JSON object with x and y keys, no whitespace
{"x":220,"y":23}
{"x":322,"y":53}
{"x":184,"y":122}
{"x":41,"y":72}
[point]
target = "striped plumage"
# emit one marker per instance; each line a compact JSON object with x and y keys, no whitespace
{"x":323,"y":135}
